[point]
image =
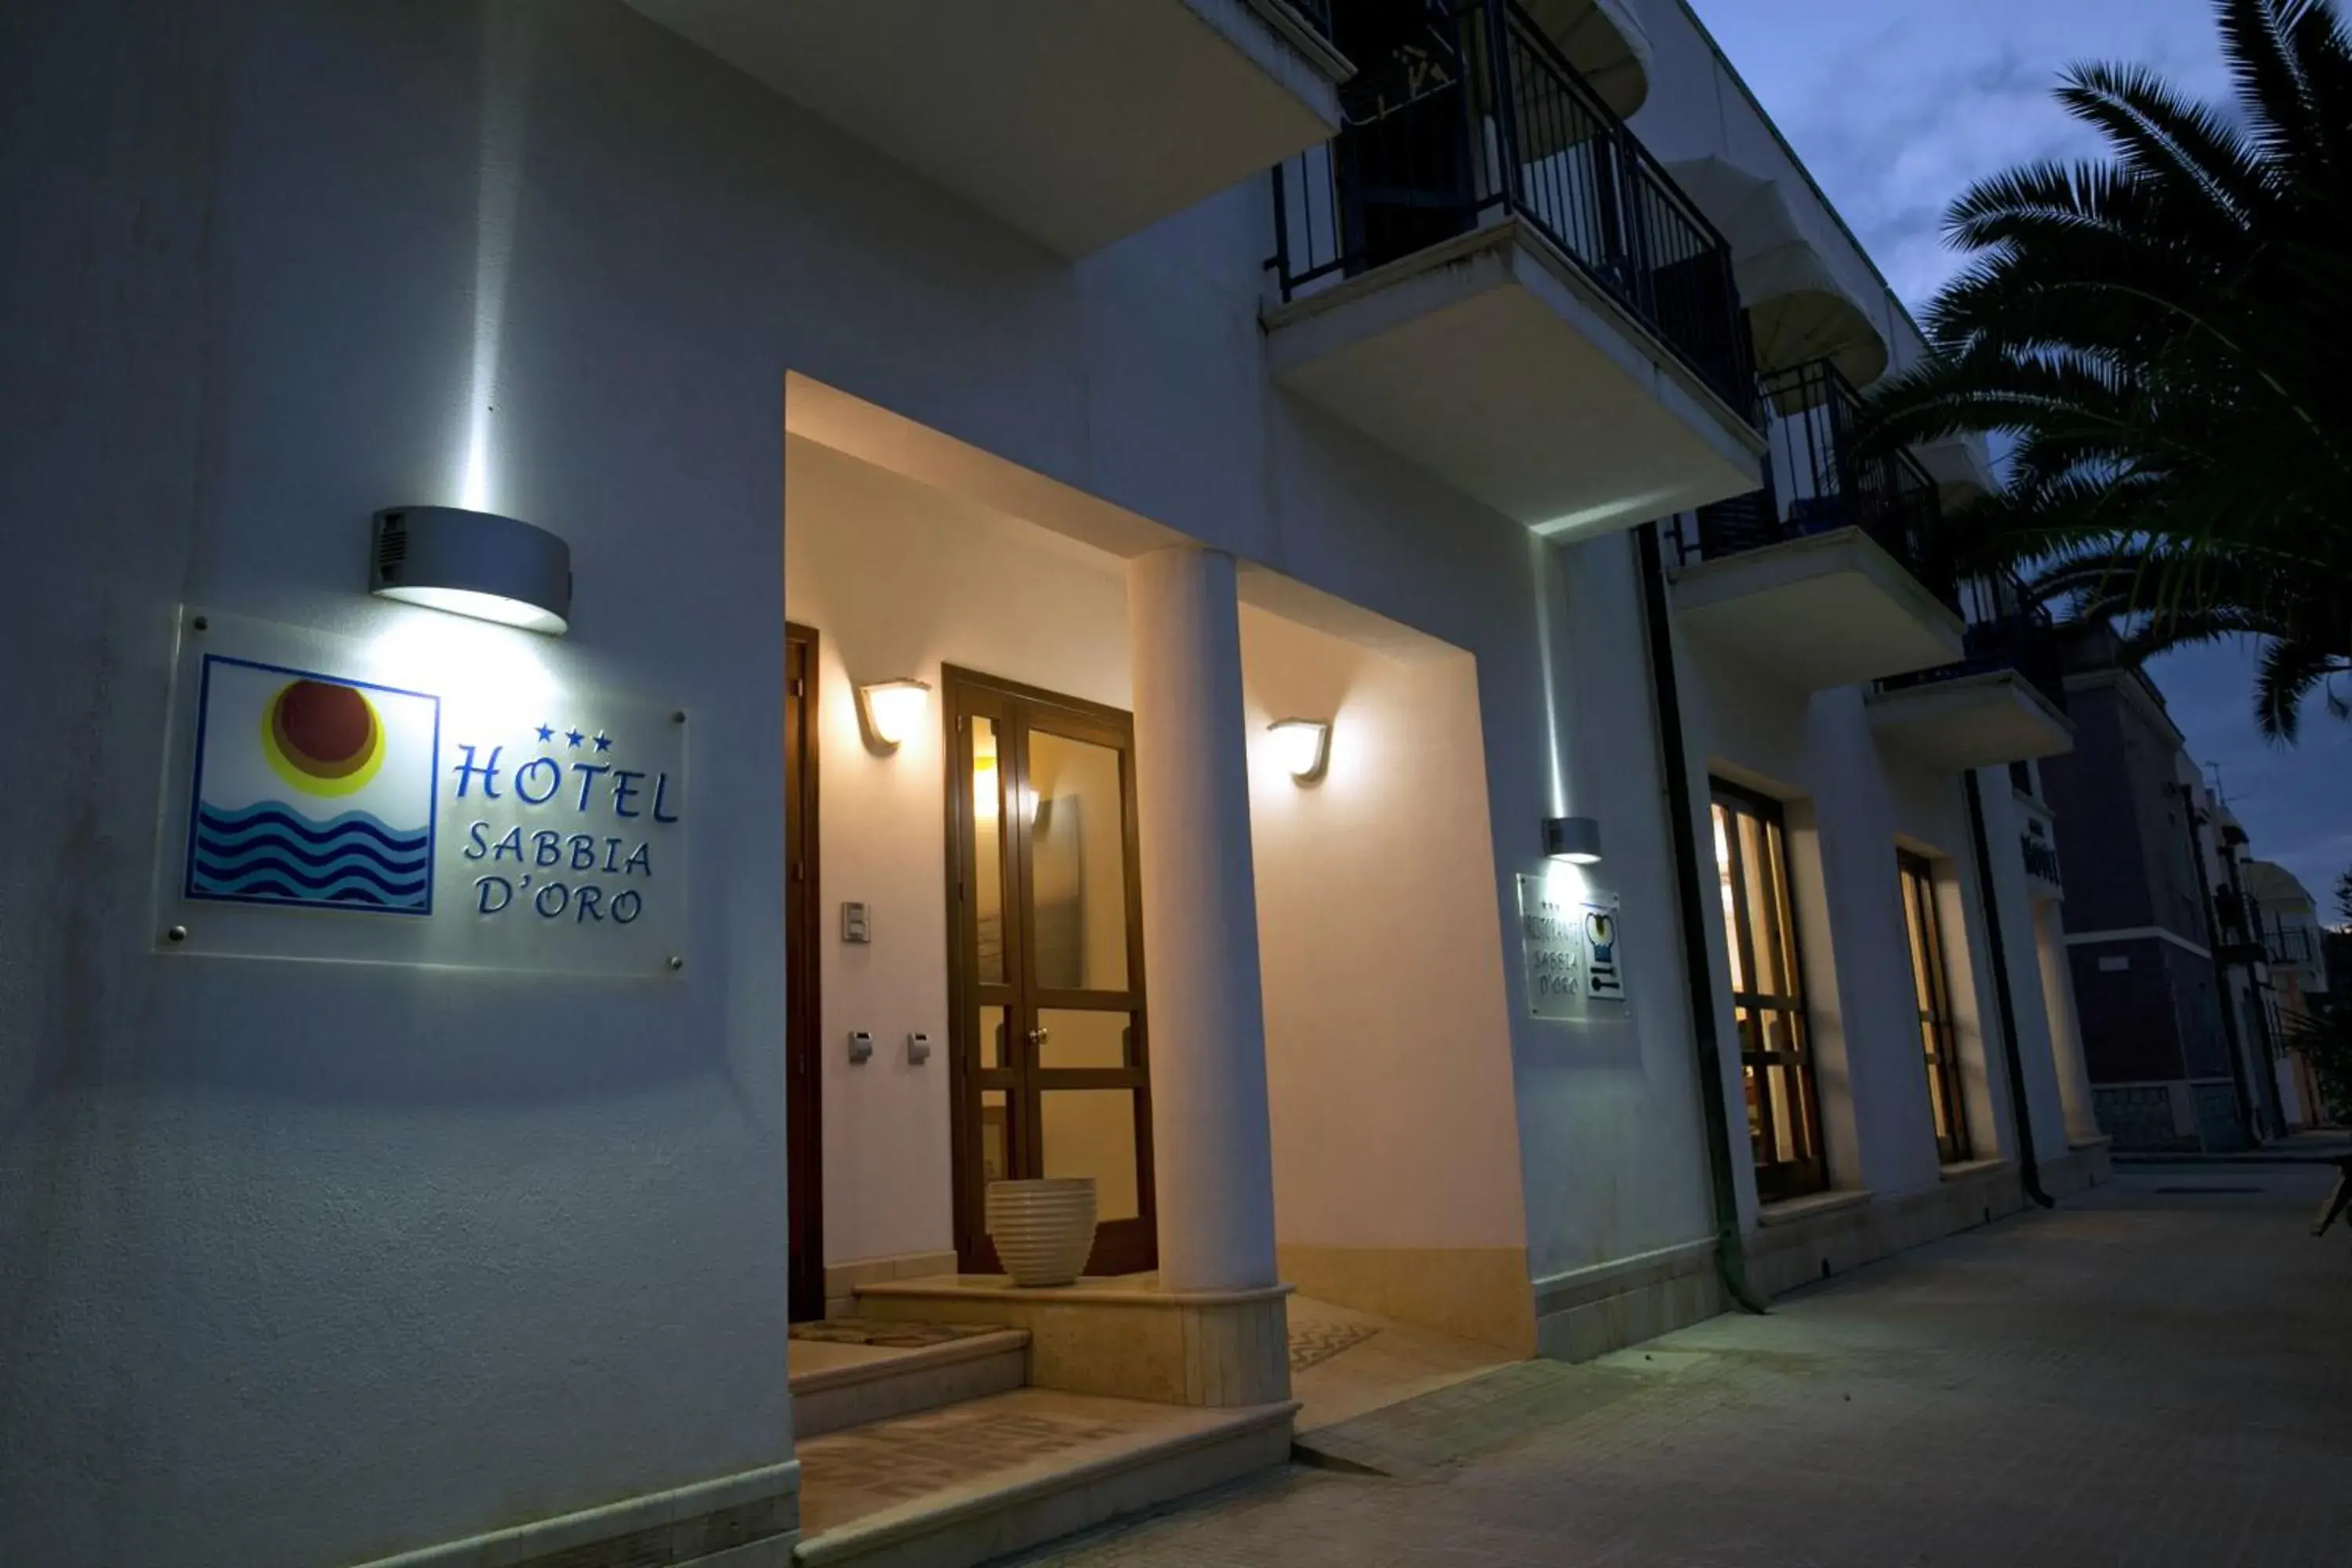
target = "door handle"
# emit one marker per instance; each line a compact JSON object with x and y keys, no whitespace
{"x":1039,"y":1035}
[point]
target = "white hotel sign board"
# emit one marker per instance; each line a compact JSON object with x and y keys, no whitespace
{"x":1569,"y":944}
{"x":324,"y":800}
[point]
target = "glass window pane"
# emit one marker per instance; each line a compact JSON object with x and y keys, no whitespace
{"x":1077,"y":857}
{"x":1763,"y":906}
{"x":994,"y":1164}
{"x":1091,"y":1132}
{"x":1730,"y":908}
{"x":987,"y":851}
{"x":991,"y":1039}
{"x":1075,"y":1039}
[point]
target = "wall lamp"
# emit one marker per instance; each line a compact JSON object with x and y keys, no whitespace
{"x":1575,"y":839}
{"x":472,"y":564}
{"x":1304,"y":745}
{"x":893,"y":708}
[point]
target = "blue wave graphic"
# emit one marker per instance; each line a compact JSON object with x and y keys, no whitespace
{"x":266,"y":852}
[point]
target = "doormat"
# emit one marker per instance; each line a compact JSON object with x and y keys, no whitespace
{"x":888,"y":1334}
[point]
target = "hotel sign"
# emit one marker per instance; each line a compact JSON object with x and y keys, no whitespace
{"x":1568,"y":944}
{"x":330,"y":799}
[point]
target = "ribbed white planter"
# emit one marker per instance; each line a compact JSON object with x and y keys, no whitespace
{"x":1043,"y":1229}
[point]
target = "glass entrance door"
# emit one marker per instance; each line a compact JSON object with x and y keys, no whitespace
{"x":1046,"y":962}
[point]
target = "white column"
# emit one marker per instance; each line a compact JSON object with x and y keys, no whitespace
{"x":1212,"y":1146}
{"x":2065,"y":1025}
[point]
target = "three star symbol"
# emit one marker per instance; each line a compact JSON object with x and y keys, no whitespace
{"x":576,"y":738}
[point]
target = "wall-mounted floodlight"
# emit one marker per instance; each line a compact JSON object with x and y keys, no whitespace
{"x":1303,"y":746}
{"x":1575,"y":839}
{"x":893,"y":708}
{"x":472,"y":564}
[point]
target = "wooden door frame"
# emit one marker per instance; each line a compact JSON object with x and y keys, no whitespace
{"x":805,"y":1006}
{"x":973,"y":1248}
{"x":1788,"y":1178}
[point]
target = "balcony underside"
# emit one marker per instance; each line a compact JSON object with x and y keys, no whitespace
{"x":1971,"y":721}
{"x":1825,"y":610}
{"x":1491,"y":362}
{"x":1074,"y":124}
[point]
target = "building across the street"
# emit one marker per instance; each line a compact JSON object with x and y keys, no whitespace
{"x":703,"y":666}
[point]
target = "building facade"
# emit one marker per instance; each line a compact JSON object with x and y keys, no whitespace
{"x":1267,"y":605}
{"x":2294,"y":937}
{"x":2166,"y":992}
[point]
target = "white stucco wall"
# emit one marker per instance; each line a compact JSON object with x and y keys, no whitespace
{"x":1388,"y":1046}
{"x":493,"y":1248}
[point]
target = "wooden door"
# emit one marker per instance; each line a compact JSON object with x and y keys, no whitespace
{"x":1048,"y":1033}
{"x":804,"y":1111}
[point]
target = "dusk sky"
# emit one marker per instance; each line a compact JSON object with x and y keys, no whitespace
{"x":1897,"y":106}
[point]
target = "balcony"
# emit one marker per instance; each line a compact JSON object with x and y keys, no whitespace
{"x":1826,"y":577}
{"x":1486,"y":273}
{"x":1074,"y":124}
{"x":2239,"y":937}
{"x":2004,"y":701}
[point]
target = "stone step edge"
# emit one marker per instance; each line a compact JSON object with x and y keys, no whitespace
{"x":912,"y":1521}
{"x":912,"y":1362}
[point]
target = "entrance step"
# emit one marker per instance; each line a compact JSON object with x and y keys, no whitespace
{"x":950,"y":1487}
{"x":849,"y":1372}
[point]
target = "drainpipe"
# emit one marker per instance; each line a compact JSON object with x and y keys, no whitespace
{"x":2225,"y":1000}
{"x":2029,"y":1169}
{"x":1731,"y":1254}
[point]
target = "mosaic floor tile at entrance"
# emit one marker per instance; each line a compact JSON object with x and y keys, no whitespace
{"x":2139,"y":1379}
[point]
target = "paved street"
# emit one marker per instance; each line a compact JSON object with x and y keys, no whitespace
{"x":2157,"y":1374}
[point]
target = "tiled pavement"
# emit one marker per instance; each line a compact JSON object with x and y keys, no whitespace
{"x":2156,"y":1375}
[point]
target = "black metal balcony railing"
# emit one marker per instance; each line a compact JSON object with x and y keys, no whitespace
{"x":1465,"y":112}
{"x":1814,"y":483}
{"x":2238,"y":928}
{"x":2292,"y":945}
{"x":2042,"y":859}
{"x":2006,"y":631}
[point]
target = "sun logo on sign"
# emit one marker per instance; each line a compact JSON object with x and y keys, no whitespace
{"x":323,"y":737}
{"x":312,"y":790}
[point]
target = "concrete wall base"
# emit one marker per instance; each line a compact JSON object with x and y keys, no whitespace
{"x":1812,"y":1239}
{"x":748,"y":1521}
{"x":2085,"y":1166}
{"x":1471,"y":1292}
{"x":1592,"y":1311}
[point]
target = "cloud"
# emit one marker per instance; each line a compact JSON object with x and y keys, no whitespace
{"x":1895,"y":119}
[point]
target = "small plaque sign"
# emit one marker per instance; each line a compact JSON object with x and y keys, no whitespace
{"x":1569,"y":940}
{"x":327,"y":799}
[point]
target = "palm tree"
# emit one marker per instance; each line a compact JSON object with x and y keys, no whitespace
{"x":2166,"y":338}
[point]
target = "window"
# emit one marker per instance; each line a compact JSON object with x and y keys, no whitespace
{"x":1767,"y":996}
{"x":1931,"y":984}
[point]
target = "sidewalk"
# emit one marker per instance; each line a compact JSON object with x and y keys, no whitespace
{"x":2321,"y":1147}
{"x":2156,"y":1375}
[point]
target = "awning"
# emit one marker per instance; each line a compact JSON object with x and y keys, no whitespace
{"x":1798,"y":309}
{"x":1604,"y":44}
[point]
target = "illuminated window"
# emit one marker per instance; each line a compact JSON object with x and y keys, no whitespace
{"x":1931,"y":984}
{"x":1768,"y":996}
